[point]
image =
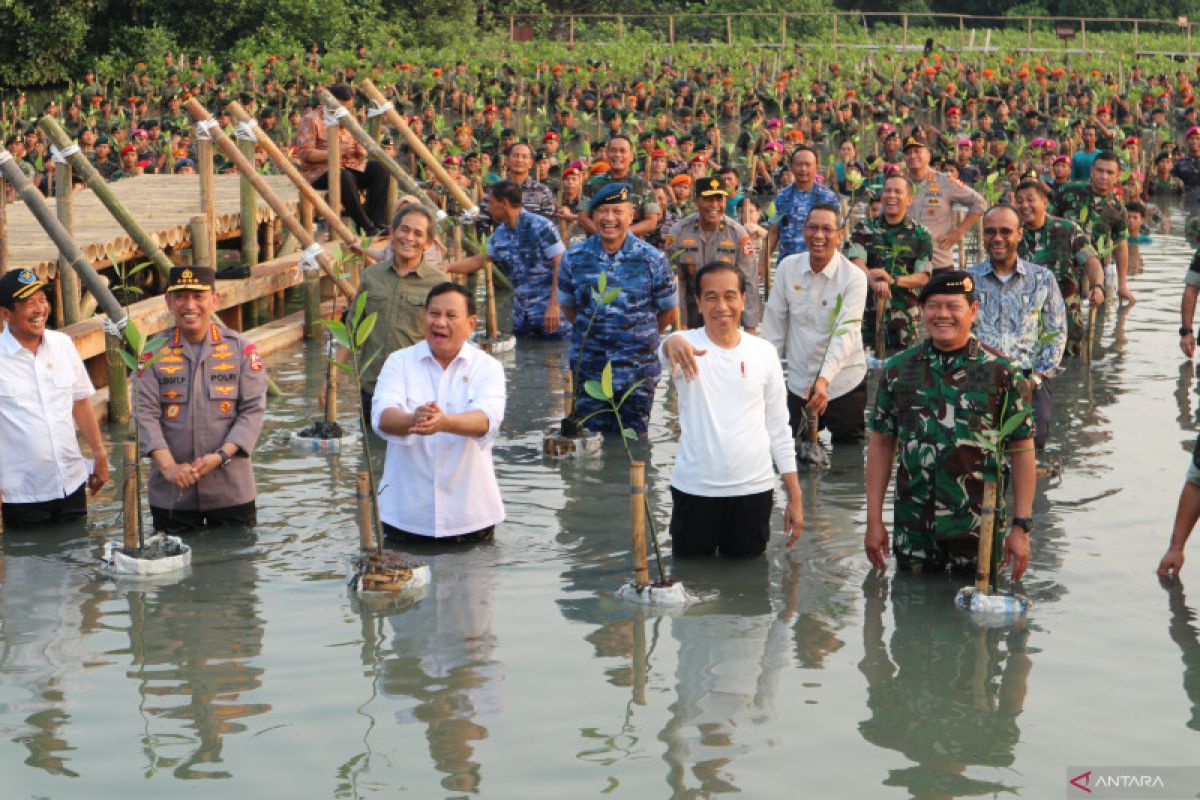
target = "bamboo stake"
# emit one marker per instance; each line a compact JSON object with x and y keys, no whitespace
{"x":493,"y":330}
{"x":118,"y":381}
{"x":105,"y":194}
{"x":3,"y":226}
{"x":331,"y":409}
{"x":637,"y":521}
{"x":312,"y":281}
{"x":129,"y":496}
{"x":362,"y":495}
{"x":64,"y":209}
{"x":333,"y":169}
{"x":208,"y":197}
{"x":880,"y":328}
{"x":198,"y":226}
{"x":987,"y":521}
{"x":248,"y":207}
{"x":231,"y":152}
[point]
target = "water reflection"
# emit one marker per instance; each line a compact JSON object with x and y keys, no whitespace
{"x":945,"y":694}
{"x":443,"y":661}
{"x":49,"y":603}
{"x":1186,"y":635}
{"x":193,"y":645}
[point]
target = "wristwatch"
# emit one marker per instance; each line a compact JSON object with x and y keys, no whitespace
{"x":1185,"y":330}
{"x":225,"y":458}
{"x":1025,"y":523}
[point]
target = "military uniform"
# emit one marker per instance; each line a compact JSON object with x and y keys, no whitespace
{"x":935,"y":404}
{"x":625,"y":331}
{"x":641,"y":194}
{"x":1187,"y":170}
{"x":791,"y":212}
{"x":933,"y":208}
{"x":1062,"y":247}
{"x":689,"y":248}
{"x":194,"y":398}
{"x":1102,"y":217}
{"x":526,"y":254}
{"x":536,"y":198}
{"x":903,"y":249}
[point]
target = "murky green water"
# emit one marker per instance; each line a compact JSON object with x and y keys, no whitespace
{"x":517,"y":675}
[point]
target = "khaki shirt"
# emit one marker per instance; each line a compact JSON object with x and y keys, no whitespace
{"x":933,"y":208}
{"x":194,"y":399}
{"x":399,"y":301}
{"x":689,"y":248}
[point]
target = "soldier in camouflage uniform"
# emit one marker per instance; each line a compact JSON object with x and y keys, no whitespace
{"x":626,"y":330}
{"x":896,"y":253}
{"x":1062,"y":247}
{"x":1098,"y":210}
{"x":644,"y":204}
{"x":934,"y":402}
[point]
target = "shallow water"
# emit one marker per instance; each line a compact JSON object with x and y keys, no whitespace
{"x":516,"y":674}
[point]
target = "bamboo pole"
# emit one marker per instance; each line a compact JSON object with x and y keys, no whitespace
{"x":362,"y":496}
{"x":248,"y":207}
{"x":118,"y":381}
{"x":987,"y":522}
{"x":64,"y":209}
{"x":104,"y":192}
{"x":312,"y":281}
{"x":880,"y":328}
{"x":3,"y":226}
{"x":62,"y":240}
{"x":333,"y":168}
{"x":208,"y":197}
{"x":198,"y":226}
{"x":493,"y":329}
{"x":637,"y":521}
{"x":331,"y":409}
{"x":231,"y":152}
{"x":129,"y":496}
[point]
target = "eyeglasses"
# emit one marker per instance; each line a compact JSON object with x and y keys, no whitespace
{"x":998,"y":231}
{"x":823,"y":229}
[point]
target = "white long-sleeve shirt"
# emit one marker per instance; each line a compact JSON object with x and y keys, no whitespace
{"x":796,"y":321}
{"x":443,"y":484}
{"x":40,"y":458}
{"x":733,"y":419}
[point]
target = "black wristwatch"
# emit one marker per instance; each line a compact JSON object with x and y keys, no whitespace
{"x":1025,"y":523}
{"x":225,"y":458}
{"x":1184,"y":330}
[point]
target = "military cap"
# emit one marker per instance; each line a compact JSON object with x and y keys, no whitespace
{"x":191,"y":279}
{"x":550,"y":135}
{"x":19,"y":284}
{"x":710,"y":187}
{"x":914,"y":141}
{"x":948,"y":282}
{"x":609,"y":195}
{"x":681,"y":179}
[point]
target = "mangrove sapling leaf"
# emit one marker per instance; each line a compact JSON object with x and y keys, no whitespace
{"x":596,"y":391}
{"x":606,"y":383}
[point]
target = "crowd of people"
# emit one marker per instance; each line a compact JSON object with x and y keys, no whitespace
{"x":677,"y":222}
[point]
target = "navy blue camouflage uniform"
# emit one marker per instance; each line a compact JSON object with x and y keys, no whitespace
{"x":526,"y":255}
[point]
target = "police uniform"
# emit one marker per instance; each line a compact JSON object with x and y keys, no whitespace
{"x":936,"y":404}
{"x":933,"y":206}
{"x":689,"y":247}
{"x":901,"y":249}
{"x":526,"y":255}
{"x":193,"y":398}
{"x":624,"y":331}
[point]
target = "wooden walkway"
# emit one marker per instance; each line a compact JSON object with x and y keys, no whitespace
{"x":162,"y":204}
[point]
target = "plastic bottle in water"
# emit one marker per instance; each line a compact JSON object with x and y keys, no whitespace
{"x":874,"y":363}
{"x":995,"y":609}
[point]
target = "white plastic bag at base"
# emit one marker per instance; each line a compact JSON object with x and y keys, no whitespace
{"x":673,"y":595}
{"x":122,"y":564}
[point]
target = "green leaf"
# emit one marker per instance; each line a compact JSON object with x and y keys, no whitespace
{"x":134,"y":337}
{"x":131,"y":362}
{"x":346,"y":368}
{"x":602,"y":282}
{"x":606,"y":383}
{"x":338,"y":331}
{"x":611,"y":295}
{"x":594,"y":390}
{"x":628,"y":433}
{"x":1012,"y":423}
{"x":359,"y":304}
{"x":363,"y":331}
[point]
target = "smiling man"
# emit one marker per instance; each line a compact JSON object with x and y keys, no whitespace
{"x":44,"y":391}
{"x":933,"y":400}
{"x":439,"y":405}
{"x":1100,"y":212}
{"x":199,"y":413}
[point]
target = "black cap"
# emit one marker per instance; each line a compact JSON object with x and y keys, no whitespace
{"x":709,"y":187}
{"x":914,"y":141}
{"x":192,"y":279}
{"x":19,"y":284}
{"x":948,"y":282}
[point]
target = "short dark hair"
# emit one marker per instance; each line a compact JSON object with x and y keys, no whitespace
{"x":1107,"y":155}
{"x":508,"y":191}
{"x":720,"y":266}
{"x":1034,"y":184}
{"x":520,"y":143}
{"x":804,"y":148}
{"x":449,"y":287}
{"x":341,"y":92}
{"x":1136,"y":208}
{"x":621,"y":136}
{"x":830,"y":207}
{"x":727,"y":170}
{"x":898,"y":175}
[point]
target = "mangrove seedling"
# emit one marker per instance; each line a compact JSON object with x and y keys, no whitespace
{"x":602,"y":295}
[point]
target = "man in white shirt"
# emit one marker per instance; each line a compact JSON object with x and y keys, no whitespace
{"x":826,"y":373}
{"x":439,"y":404}
{"x":734,"y":423}
{"x":44,"y":391}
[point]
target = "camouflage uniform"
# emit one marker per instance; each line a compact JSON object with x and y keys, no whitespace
{"x":1062,"y":247}
{"x":625,"y":331}
{"x":526,"y":254}
{"x":640,"y":194}
{"x":791,"y":212}
{"x":935,"y":403}
{"x":1103,"y":218}
{"x":903,"y":249}
{"x":689,"y":248}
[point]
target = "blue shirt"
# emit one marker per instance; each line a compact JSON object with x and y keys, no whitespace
{"x":1081,"y":164}
{"x":791,"y":212}
{"x":1023,"y":318}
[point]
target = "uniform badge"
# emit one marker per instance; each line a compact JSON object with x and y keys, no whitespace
{"x":689,"y":242}
{"x":256,"y":362}
{"x":169,"y":370}
{"x":670,"y":241}
{"x":173,"y":411}
{"x":226,"y":406}
{"x":226,"y":389}
{"x":172,"y":394}
{"x":726,"y":243}
{"x":747,"y":246}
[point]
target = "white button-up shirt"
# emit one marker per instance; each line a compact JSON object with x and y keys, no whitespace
{"x":444,"y":484}
{"x":797,"y":322}
{"x":40,"y":458}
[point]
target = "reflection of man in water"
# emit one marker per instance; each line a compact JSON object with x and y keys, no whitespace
{"x":945,"y":694}
{"x":1186,"y":515}
{"x":1184,"y":633}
